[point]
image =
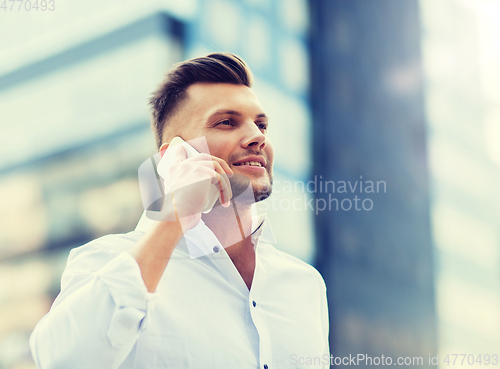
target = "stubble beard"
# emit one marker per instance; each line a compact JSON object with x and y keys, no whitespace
{"x":262,"y":188}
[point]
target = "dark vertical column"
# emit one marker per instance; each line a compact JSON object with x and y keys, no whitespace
{"x":374,"y":248}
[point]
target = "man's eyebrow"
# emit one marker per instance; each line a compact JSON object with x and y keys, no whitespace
{"x":235,"y":113}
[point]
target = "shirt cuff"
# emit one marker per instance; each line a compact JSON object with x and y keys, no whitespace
{"x":122,"y":276}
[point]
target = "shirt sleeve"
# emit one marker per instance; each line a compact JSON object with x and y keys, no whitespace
{"x":99,"y":314}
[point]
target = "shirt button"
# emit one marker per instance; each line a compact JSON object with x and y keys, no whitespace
{"x":265,"y":366}
{"x":254,"y":303}
{"x":216,"y":248}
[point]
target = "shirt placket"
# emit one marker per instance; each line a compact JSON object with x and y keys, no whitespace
{"x":223,"y":262}
{"x":258,"y":312}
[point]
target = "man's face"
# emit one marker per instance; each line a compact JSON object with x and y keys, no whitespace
{"x":234,"y":124}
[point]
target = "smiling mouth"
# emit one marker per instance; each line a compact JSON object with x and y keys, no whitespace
{"x":250,"y":163}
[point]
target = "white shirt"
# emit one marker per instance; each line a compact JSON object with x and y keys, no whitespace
{"x":202,"y":314}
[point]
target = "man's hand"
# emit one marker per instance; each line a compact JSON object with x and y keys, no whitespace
{"x":190,"y":184}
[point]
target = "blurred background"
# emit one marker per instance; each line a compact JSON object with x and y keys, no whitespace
{"x":405,"y":94}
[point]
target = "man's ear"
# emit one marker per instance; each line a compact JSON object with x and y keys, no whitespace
{"x":163,"y":148}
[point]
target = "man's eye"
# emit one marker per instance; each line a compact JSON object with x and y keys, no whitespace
{"x":225,"y":123}
{"x":262,"y":126}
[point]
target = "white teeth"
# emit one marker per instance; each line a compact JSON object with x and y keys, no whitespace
{"x":254,"y":163}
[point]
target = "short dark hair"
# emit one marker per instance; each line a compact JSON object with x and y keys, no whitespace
{"x":213,"y":68}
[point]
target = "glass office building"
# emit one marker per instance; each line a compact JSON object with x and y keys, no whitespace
{"x":461,"y":55}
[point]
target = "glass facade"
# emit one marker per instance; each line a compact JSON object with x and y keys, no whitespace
{"x":374,"y":243}
{"x":462,"y":100}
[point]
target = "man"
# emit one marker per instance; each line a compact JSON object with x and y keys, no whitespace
{"x":140,"y":300}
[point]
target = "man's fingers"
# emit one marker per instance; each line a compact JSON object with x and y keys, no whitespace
{"x":224,"y":171}
{"x":220,"y":167}
{"x":217,"y":168}
{"x":224,"y":185}
{"x":215,"y":159}
{"x":226,"y":192}
{"x":224,"y":166}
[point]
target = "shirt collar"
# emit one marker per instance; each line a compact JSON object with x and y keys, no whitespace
{"x":261,"y":232}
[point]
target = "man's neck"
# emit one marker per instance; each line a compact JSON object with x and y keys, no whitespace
{"x":233,"y":227}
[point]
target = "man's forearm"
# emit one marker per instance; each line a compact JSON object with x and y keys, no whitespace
{"x":152,"y":252}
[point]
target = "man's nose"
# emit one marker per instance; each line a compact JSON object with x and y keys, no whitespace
{"x":254,"y":137}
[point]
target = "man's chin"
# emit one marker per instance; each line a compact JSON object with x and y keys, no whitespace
{"x":262,"y":187}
